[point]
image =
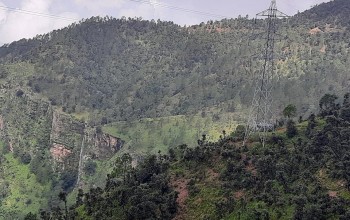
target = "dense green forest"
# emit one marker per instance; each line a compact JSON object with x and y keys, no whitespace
{"x":126,"y":69}
{"x":100,"y":96}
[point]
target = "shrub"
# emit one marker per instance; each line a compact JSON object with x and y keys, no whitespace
{"x":26,"y":158}
{"x":90,"y":167}
{"x":19,"y":93}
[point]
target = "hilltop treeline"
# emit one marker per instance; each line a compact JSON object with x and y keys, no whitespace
{"x":131,"y":68}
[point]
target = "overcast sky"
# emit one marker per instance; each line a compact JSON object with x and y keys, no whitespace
{"x":15,"y":25}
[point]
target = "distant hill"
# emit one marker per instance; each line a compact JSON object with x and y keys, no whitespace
{"x":335,"y":11}
{"x":130,"y":68}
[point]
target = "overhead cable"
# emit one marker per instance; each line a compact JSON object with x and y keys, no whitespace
{"x":37,"y":13}
{"x":152,"y":3}
{"x":186,"y":10}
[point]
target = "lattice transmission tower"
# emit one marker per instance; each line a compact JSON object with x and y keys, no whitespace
{"x":260,"y":119}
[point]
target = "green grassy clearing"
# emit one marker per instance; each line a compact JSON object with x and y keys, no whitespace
{"x":152,"y":135}
{"x":24,"y":193}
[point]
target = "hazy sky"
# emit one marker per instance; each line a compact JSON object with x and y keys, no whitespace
{"x":14,"y":25}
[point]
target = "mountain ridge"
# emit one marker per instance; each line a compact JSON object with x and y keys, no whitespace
{"x":115,"y":54}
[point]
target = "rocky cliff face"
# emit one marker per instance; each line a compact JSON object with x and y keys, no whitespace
{"x":67,"y":136}
{"x":65,"y":141}
{"x":107,"y":145}
{"x":34,"y":127}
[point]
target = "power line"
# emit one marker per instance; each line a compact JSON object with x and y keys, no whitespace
{"x":152,"y":3}
{"x":51,"y":16}
{"x":186,"y":10}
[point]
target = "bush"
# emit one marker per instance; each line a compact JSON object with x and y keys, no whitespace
{"x":53,"y":101}
{"x":90,"y":167}
{"x":19,"y":93}
{"x":26,"y":158}
{"x":3,"y":73}
{"x":30,"y":216}
{"x":240,"y":132}
{"x":37,"y":88}
{"x":99,"y":130}
{"x":5,"y":149}
{"x":289,"y":111}
{"x":104,"y":120}
{"x":345,"y":114}
{"x":69,"y":179}
{"x":42,"y":170}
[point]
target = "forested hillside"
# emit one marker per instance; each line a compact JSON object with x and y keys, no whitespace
{"x":301,"y":173}
{"x":73,"y":101}
{"x":125,"y":69}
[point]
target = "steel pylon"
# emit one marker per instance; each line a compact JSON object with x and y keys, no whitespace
{"x":260,"y":118}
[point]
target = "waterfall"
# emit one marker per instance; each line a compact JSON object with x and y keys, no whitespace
{"x":80,"y":168}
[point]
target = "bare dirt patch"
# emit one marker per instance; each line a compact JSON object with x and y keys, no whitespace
{"x":239,"y":195}
{"x":341,"y":183}
{"x":315,"y":31}
{"x":281,"y":130}
{"x":251,"y":168}
{"x":212,"y":175}
{"x":323,"y":49}
{"x":333,"y":194}
{"x":180,"y":186}
{"x":59,"y":152}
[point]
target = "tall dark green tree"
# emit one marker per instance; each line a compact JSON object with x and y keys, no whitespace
{"x":290,"y":111}
{"x":122,"y":166}
{"x":63,"y":197}
{"x":327,"y":104}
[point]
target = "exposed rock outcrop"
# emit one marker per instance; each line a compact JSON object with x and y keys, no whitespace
{"x":59,"y":152}
{"x":63,"y":126}
{"x":106,"y":145}
{"x":31,"y":125}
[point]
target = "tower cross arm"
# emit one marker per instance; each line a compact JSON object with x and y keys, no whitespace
{"x":272,"y":11}
{"x":277,"y":13}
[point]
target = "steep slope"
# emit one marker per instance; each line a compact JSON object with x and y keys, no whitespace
{"x":130,"y":69}
{"x":333,"y":12}
{"x":301,"y":173}
{"x":40,"y":147}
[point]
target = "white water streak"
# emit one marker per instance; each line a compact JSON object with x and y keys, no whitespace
{"x":80,"y":167}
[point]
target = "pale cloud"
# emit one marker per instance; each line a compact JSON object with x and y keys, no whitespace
{"x":99,"y":6}
{"x":291,"y":7}
{"x":15,"y":26}
{"x":36,"y":5}
{"x":3,"y":13}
